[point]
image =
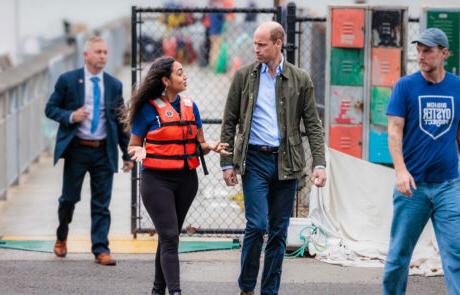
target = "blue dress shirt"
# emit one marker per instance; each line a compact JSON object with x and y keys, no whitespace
{"x":264,"y":128}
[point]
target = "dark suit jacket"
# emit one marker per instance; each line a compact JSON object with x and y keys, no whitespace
{"x":68,"y":96}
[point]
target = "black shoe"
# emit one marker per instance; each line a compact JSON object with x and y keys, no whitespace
{"x":175,"y":293}
{"x":157,"y":292}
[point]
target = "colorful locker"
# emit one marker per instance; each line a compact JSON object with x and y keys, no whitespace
{"x":361,"y":77}
{"x":347,"y":139}
{"x":386,"y":28}
{"x":386,"y":66}
{"x":347,"y":67}
{"x":346,"y":105}
{"x":379,"y":102}
{"x":348,"y":28}
{"x":378,"y":145}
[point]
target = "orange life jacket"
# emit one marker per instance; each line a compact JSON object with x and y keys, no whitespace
{"x":174,"y":142}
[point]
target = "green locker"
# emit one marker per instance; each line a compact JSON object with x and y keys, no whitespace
{"x":379,"y":102}
{"x":448,"y":21}
{"x":347,"y":66}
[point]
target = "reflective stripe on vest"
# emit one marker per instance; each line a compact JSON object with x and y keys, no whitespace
{"x":174,"y":142}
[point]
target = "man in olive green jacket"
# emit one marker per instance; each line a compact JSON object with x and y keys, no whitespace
{"x":265,"y":104}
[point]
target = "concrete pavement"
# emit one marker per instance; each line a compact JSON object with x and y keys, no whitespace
{"x":202,"y":273}
{"x":30,"y":212}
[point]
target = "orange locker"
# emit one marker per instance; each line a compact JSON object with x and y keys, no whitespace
{"x":348,"y":27}
{"x":386,"y":66}
{"x":347,"y":139}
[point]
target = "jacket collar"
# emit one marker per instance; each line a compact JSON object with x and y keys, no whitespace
{"x":81,"y":86}
{"x":279,"y":68}
{"x":285,"y":70}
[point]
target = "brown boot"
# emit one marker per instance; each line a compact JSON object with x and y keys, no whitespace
{"x":60,"y":248}
{"x":105,"y":259}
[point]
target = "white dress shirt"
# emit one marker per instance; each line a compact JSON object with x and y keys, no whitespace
{"x":84,"y":129}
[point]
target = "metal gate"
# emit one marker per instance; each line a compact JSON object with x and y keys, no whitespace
{"x":209,"y":59}
{"x":182,"y":33}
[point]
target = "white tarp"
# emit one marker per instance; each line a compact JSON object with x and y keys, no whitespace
{"x":355,"y":211}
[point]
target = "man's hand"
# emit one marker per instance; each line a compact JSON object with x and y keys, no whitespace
{"x":319,"y":177}
{"x":127,"y":166}
{"x":80,"y":115}
{"x":404,"y":182}
{"x":230,"y":177}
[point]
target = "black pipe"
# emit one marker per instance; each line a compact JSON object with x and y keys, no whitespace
{"x":198,"y":231}
{"x":290,"y":32}
{"x":310,"y":19}
{"x":207,"y":10}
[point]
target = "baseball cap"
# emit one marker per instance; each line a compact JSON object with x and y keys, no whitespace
{"x":432,"y":37}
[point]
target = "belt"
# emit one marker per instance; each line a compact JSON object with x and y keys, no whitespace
{"x":89,"y":143}
{"x":263,"y":148}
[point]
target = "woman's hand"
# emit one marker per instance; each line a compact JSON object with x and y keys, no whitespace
{"x":219,"y":147}
{"x":137,"y":153}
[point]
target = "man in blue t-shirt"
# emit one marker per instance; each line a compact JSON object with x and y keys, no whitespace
{"x":423,"y":134}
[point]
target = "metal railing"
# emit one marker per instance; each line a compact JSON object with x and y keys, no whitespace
{"x":25,"y":133}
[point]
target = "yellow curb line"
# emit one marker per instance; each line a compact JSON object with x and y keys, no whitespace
{"x":119,"y":244}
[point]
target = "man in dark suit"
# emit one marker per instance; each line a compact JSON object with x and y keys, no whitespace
{"x":86,"y":104}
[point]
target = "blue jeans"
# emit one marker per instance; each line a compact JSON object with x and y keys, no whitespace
{"x":268,"y":206}
{"x":441,"y":202}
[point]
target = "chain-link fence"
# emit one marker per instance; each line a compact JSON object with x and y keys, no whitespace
{"x":210,"y":55}
{"x":412,"y":31}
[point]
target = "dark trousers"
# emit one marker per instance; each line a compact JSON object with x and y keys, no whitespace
{"x":167,"y":196}
{"x":268,"y":205}
{"x":78,"y":161}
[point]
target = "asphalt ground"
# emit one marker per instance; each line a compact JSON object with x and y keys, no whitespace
{"x":212,"y":272}
{"x":30,"y":213}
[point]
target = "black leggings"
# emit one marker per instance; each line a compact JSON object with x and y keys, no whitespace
{"x":167,"y":196}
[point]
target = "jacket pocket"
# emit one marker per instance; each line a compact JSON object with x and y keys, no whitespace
{"x":296,"y":151}
{"x":237,"y":150}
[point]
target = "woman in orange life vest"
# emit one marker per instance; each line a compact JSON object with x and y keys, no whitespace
{"x":165,"y":133}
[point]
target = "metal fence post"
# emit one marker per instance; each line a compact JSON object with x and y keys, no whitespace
{"x":134,"y":173}
{"x":290,"y":32}
{"x":279,"y":14}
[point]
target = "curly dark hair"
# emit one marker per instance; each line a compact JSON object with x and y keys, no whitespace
{"x":152,"y":86}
